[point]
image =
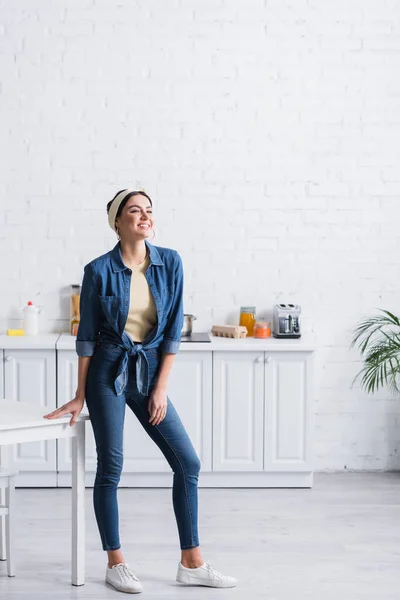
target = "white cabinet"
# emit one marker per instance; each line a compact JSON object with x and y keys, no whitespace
{"x":247,"y":406}
{"x":238,"y":411}
{"x":67,"y":380}
{"x":190,"y":391}
{"x":289,"y":411}
{"x":263,"y":411}
{"x":30,"y":376}
{"x":2,"y":374}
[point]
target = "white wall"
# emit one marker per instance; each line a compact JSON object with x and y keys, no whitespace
{"x":267,"y":134}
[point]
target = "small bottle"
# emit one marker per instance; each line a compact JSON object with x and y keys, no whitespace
{"x":75,"y":308}
{"x":31,"y":319}
{"x":75,"y":325}
{"x":248,"y":318}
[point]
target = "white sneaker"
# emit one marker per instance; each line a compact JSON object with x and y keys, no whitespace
{"x":204,"y":575}
{"x":121,"y":577}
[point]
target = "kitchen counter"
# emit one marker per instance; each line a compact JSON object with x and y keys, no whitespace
{"x":65,"y":341}
{"x":45,"y":341}
{"x":247,"y":405}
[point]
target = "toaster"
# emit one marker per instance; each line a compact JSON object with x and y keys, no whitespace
{"x":286,"y":321}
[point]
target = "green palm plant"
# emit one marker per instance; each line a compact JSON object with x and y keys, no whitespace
{"x":378,"y":339}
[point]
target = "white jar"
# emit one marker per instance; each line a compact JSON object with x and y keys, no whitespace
{"x":31,"y":319}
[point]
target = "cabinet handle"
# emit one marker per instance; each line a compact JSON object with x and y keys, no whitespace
{"x":268,"y":359}
{"x":8,"y":358}
{"x":259,"y":359}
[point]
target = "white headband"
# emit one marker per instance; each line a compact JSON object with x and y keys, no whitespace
{"x":115,"y":206}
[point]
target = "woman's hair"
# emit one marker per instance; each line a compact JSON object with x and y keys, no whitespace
{"x":125,"y":200}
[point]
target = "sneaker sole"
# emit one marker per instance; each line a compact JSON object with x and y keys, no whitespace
{"x":116,"y":587}
{"x":187,"y":583}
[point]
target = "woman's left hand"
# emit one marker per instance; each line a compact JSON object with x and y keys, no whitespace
{"x":157,"y":406}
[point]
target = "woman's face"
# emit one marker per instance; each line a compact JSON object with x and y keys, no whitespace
{"x":136,"y":220}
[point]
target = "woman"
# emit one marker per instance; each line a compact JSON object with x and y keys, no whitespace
{"x":131,"y":320}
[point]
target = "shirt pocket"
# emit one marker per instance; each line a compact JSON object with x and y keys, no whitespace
{"x":109,"y":305}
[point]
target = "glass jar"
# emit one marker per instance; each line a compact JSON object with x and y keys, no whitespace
{"x":248,"y":318}
{"x":75,"y":309}
{"x":262,"y":330}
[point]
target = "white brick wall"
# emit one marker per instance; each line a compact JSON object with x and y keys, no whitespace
{"x":267,"y":133}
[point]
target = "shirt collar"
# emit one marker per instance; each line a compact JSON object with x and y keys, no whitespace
{"x":118,"y":264}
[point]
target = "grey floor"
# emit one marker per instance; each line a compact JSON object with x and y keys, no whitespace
{"x":337,"y":541}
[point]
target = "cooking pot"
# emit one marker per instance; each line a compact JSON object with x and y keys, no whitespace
{"x":187,"y":324}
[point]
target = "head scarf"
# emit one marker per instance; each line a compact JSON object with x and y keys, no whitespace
{"x":116,"y":204}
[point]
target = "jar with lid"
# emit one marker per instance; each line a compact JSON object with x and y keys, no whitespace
{"x":262,"y":329}
{"x":248,"y":318}
{"x":75,"y":310}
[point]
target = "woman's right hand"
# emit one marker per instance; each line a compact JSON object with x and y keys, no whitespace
{"x":74,"y":406}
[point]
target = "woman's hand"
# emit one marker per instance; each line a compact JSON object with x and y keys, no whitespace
{"x":74,"y":406}
{"x":157,"y":405}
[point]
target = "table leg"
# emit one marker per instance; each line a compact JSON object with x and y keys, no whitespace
{"x":10,"y":546}
{"x":4,"y":462}
{"x":78,"y":504}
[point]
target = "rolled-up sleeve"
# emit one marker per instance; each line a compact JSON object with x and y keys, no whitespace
{"x":172,"y":333}
{"x":90,"y":315}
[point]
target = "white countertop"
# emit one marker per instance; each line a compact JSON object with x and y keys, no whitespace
{"x":16,"y":415}
{"x":65,"y":341}
{"x":45,"y":341}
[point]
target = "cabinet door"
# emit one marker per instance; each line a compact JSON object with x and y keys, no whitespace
{"x":288,"y":411}
{"x":190,"y":391}
{"x":30,"y":376}
{"x":2,"y":374}
{"x":67,"y":381}
{"x":238,"y":411}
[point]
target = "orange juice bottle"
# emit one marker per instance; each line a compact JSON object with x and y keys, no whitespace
{"x":248,"y":318}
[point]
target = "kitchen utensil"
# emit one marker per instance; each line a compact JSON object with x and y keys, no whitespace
{"x":187,"y":324}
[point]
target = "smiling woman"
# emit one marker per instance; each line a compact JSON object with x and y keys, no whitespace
{"x":131,"y":309}
{"x":137,"y":206}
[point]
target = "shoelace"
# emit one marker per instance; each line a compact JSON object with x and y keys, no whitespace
{"x":211,"y":569}
{"x":125,"y":572}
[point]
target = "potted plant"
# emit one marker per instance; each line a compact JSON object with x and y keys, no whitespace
{"x":378,"y":339}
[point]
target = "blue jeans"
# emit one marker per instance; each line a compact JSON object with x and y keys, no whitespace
{"x":107,"y":413}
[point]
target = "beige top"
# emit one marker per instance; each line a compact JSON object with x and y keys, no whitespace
{"x":142,"y":316}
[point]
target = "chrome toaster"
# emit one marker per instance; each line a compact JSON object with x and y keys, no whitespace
{"x":286,"y":321}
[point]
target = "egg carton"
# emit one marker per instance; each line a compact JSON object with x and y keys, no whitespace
{"x":229,"y":331}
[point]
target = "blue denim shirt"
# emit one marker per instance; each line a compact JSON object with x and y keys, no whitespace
{"x":104,"y":307}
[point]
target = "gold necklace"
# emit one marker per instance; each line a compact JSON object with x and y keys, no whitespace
{"x":136,"y":268}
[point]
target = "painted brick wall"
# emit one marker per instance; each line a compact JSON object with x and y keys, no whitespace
{"x":267,"y":133}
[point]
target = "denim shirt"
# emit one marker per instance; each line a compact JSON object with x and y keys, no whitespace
{"x":104,"y":307}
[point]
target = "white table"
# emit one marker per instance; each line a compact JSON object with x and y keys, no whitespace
{"x":21,"y":422}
